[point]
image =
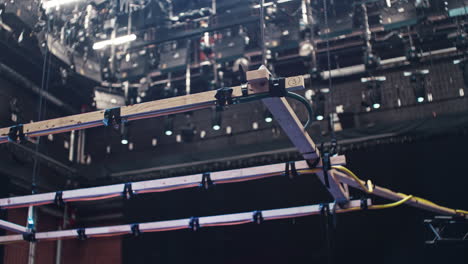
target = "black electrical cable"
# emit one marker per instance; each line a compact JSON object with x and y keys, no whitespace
{"x":262,"y":31}
{"x":330,"y":83}
{"x":41,"y":112}
{"x":291,"y":95}
{"x":305,"y":102}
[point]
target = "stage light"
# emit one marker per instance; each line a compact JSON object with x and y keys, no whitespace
{"x":216,"y":121}
{"x":373,"y":93}
{"x":254,"y":125}
{"x":56,"y":3}
{"x":268,"y":116}
{"x":124,"y":134}
{"x":271,"y":3}
{"x":418,"y":82}
{"x":169,"y":125}
{"x":318,"y":105}
{"x":309,"y":94}
{"x":115,"y":41}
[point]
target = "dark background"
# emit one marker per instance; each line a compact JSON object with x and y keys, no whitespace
{"x":433,"y":168}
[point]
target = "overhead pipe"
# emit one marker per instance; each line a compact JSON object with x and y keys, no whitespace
{"x":21,"y":80}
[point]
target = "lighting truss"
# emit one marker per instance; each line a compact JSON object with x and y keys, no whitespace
{"x":260,"y":85}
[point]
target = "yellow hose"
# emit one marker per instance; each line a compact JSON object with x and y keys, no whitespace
{"x":369,"y":189}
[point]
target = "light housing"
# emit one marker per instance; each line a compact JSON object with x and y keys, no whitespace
{"x":114,"y":42}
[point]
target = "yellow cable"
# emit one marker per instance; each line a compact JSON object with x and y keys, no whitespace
{"x":309,"y":171}
{"x":356,"y":178}
{"x":369,"y":189}
{"x":390,"y":205}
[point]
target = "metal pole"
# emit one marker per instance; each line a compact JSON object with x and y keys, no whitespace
{"x":71,"y":151}
{"x":58,"y":253}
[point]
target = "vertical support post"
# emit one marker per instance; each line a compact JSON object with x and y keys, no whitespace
{"x":71,"y":150}
{"x":32,"y":245}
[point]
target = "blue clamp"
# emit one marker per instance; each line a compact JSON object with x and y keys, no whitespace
{"x":135,"y":230}
{"x":194,"y":223}
{"x":112,"y":117}
{"x":128,"y":191}
{"x":16,"y":134}
{"x":81,"y":233}
{"x":257,"y":217}
{"x":206,"y":182}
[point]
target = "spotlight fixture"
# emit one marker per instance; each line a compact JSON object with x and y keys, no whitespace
{"x":463,"y":63}
{"x":373,"y":93}
{"x":169,"y":125}
{"x":318,"y":105}
{"x":56,"y":3}
{"x":114,"y":42}
{"x":268,"y":116}
{"x":124,"y":134}
{"x":217,"y":119}
{"x":418,"y":81}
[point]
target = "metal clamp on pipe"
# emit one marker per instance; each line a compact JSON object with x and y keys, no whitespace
{"x":257,"y":217}
{"x":278,"y":87}
{"x":15,"y":134}
{"x":206,"y":181}
{"x":194,"y":223}
{"x":290,"y":170}
{"x":30,"y":236}
{"x":112,"y":117}
{"x":135,"y":230}
{"x":223,"y":97}
{"x":364,"y":203}
{"x":81,"y":234}
{"x":128,"y":192}
{"x":326,"y":163}
{"x":58,"y":200}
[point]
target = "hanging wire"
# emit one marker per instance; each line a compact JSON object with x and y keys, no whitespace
{"x":41,"y":106}
{"x":262,"y":32}
{"x":330,"y":83}
{"x":31,"y":221}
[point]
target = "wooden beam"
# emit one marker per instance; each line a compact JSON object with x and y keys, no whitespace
{"x":159,"y":185}
{"x":207,"y":221}
{"x":162,"y":107}
{"x":291,"y":125}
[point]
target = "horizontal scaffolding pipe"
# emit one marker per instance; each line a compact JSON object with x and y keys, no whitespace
{"x":151,"y":186}
{"x":13,"y":227}
{"x":187,"y":223}
{"x":151,"y":109}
